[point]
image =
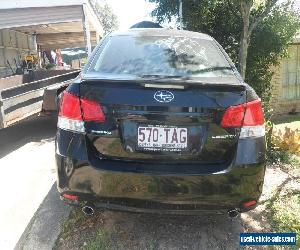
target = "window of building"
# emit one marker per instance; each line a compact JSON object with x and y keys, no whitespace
{"x":291,"y":74}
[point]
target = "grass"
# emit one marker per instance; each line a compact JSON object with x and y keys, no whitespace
{"x":284,"y":207}
{"x":276,"y":155}
{"x":285,"y":213}
{"x":152,"y":245}
{"x":107,"y":240}
{"x":102,"y":241}
{"x":78,"y":225}
{"x":76,"y":217}
{"x":286,"y":119}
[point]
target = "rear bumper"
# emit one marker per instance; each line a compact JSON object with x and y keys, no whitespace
{"x":137,"y":208}
{"x":163,"y":188}
{"x":157,"y":193}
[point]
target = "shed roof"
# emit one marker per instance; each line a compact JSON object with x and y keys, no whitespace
{"x":57,"y":24}
{"x":13,"y":4}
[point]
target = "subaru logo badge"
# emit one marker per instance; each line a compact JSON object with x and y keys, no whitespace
{"x":163,"y":96}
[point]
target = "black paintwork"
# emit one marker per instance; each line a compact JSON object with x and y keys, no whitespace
{"x":126,"y":107}
{"x":217,"y":172}
{"x":191,"y":187}
{"x":145,"y":24}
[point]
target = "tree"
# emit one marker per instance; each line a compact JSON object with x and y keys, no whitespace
{"x":268,"y":45}
{"x":271,"y":27}
{"x":108,"y":19}
{"x":246,"y":9}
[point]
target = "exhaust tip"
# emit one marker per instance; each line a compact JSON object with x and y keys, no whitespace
{"x":88,"y":210}
{"x":233,"y":213}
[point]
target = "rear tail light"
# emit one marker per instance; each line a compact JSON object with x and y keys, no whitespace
{"x":249,"y":203}
{"x":248,"y":116}
{"x":75,"y":111}
{"x":70,"y":197}
{"x":92,"y":111}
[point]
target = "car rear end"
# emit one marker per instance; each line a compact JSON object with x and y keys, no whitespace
{"x":158,"y":143}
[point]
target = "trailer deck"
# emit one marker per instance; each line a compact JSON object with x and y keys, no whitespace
{"x":22,"y":96}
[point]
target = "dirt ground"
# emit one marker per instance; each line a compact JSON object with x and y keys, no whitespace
{"x":146,"y":231}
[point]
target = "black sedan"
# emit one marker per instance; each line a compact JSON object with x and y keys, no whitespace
{"x":160,"y":121}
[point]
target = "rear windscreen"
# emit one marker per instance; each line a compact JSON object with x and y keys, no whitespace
{"x":160,"y":56}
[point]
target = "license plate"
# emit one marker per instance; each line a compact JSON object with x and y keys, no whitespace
{"x":157,"y":138}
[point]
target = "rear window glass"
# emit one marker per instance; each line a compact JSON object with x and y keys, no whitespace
{"x":159,"y":56}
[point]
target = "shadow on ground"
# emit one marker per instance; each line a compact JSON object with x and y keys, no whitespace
{"x":171,"y":232}
{"x":32,"y":130}
{"x":148,"y":231}
{"x":44,"y":227}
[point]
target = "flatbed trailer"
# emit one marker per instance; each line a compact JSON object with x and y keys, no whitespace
{"x":22,"y":96}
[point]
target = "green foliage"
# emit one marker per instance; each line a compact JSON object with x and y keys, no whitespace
{"x":76,"y":217}
{"x":277,"y":155}
{"x":219,"y":20}
{"x":285,"y":213}
{"x":102,"y":241}
{"x":152,"y":245}
{"x":108,"y":19}
{"x":75,"y":54}
{"x":294,"y":119}
{"x":214,"y":17}
{"x":268,"y":45}
{"x":223,"y":21}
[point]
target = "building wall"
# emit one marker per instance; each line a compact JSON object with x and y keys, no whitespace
{"x":14,"y":46}
{"x":286,"y":83}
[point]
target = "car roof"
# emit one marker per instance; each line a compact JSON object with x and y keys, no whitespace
{"x":161,"y":32}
